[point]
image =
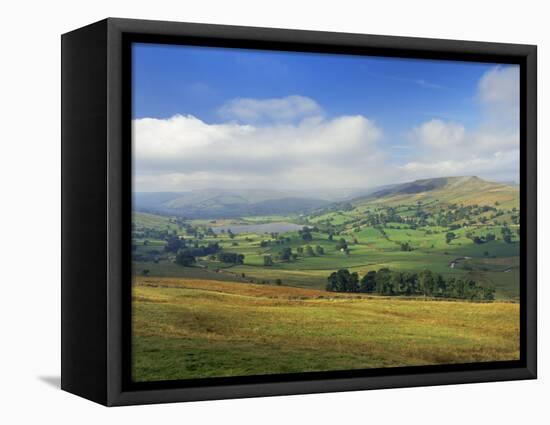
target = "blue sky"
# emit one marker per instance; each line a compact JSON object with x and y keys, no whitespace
{"x":407,"y":103}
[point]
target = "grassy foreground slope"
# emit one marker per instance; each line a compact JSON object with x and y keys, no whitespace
{"x":187,"y":328}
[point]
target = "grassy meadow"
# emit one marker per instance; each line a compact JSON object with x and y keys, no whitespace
{"x":194,"y":328}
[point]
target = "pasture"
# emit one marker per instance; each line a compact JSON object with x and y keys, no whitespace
{"x":493,"y":263}
{"x":187,"y":328}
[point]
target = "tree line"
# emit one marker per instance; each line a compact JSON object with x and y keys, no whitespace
{"x":427,"y":283}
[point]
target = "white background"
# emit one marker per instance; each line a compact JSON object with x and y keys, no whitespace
{"x":30,"y":193}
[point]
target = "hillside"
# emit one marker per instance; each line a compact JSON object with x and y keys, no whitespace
{"x":215,"y":203}
{"x":468,"y":190}
{"x":222,"y":203}
{"x":203,"y":328}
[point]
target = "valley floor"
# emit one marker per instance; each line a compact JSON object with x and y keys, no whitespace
{"x":186,"y":328}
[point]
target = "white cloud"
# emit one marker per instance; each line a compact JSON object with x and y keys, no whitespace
{"x":466,"y":166}
{"x":500,"y":87}
{"x":490,"y":150}
{"x":439,"y":134}
{"x":183,"y":152}
{"x":280,"y":110}
{"x":498,"y":92}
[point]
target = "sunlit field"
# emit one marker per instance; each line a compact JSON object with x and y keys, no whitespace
{"x":188,"y":328}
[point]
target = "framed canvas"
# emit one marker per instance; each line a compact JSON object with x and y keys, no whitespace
{"x":253,"y":212}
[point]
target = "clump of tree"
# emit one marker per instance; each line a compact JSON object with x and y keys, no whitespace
{"x":506,"y":234}
{"x":286,"y":254}
{"x":406,"y":247}
{"x":268,"y":261}
{"x":202,"y":250}
{"x":306,"y":234}
{"x":449,"y":237}
{"x":341,"y":244}
{"x":173,"y":244}
{"x":427,"y":283}
{"x":230,"y":257}
{"x":478,"y":240}
{"x":343,"y":281}
{"x":184,"y":258}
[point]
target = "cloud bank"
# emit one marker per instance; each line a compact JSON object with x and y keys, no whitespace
{"x":184,"y":152}
{"x":491,"y":149}
{"x":290,"y":143}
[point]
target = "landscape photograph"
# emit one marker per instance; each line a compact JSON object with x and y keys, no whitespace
{"x":299,"y":212}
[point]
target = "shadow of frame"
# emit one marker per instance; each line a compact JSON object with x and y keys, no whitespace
{"x":54,"y":381}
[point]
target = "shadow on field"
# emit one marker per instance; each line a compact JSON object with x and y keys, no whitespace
{"x":54,"y":381}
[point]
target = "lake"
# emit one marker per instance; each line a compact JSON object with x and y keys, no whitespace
{"x":280,"y":227}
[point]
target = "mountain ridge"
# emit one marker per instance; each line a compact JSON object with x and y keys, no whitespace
{"x":461,"y":189}
{"x":219,"y":203}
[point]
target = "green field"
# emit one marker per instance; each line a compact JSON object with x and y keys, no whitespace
{"x":371,"y":252}
{"x":186,"y":328}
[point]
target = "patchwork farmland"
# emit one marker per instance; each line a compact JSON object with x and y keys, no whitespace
{"x":420,"y":273}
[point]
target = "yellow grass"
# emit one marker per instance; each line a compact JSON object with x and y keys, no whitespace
{"x":190,"y":328}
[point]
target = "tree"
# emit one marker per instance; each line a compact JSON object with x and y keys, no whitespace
{"x":368,"y":282}
{"x":478,"y":240}
{"x":268,"y":261}
{"x":409,"y":282}
{"x":309,"y":251}
{"x":383,"y":282}
{"x":440,"y":286}
{"x":183,"y":258}
{"x":449,"y":237}
{"x":406,"y":247}
{"x":285,"y":254}
{"x":230,"y":257}
{"x":319,"y":250}
{"x":506,"y":234}
{"x":396,"y":282}
{"x":306,"y":234}
{"x":173,"y":244}
{"x":426,"y":282}
{"x":300,"y":250}
{"x":343,"y":281}
{"x":489,"y":293}
{"x":145,"y":272}
{"x":341,"y":244}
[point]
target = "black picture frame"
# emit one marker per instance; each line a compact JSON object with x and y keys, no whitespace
{"x":96,"y":208}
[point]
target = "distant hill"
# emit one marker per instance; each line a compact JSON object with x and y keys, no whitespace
{"x":217,"y":203}
{"x":222,"y":203}
{"x":467,"y":190}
